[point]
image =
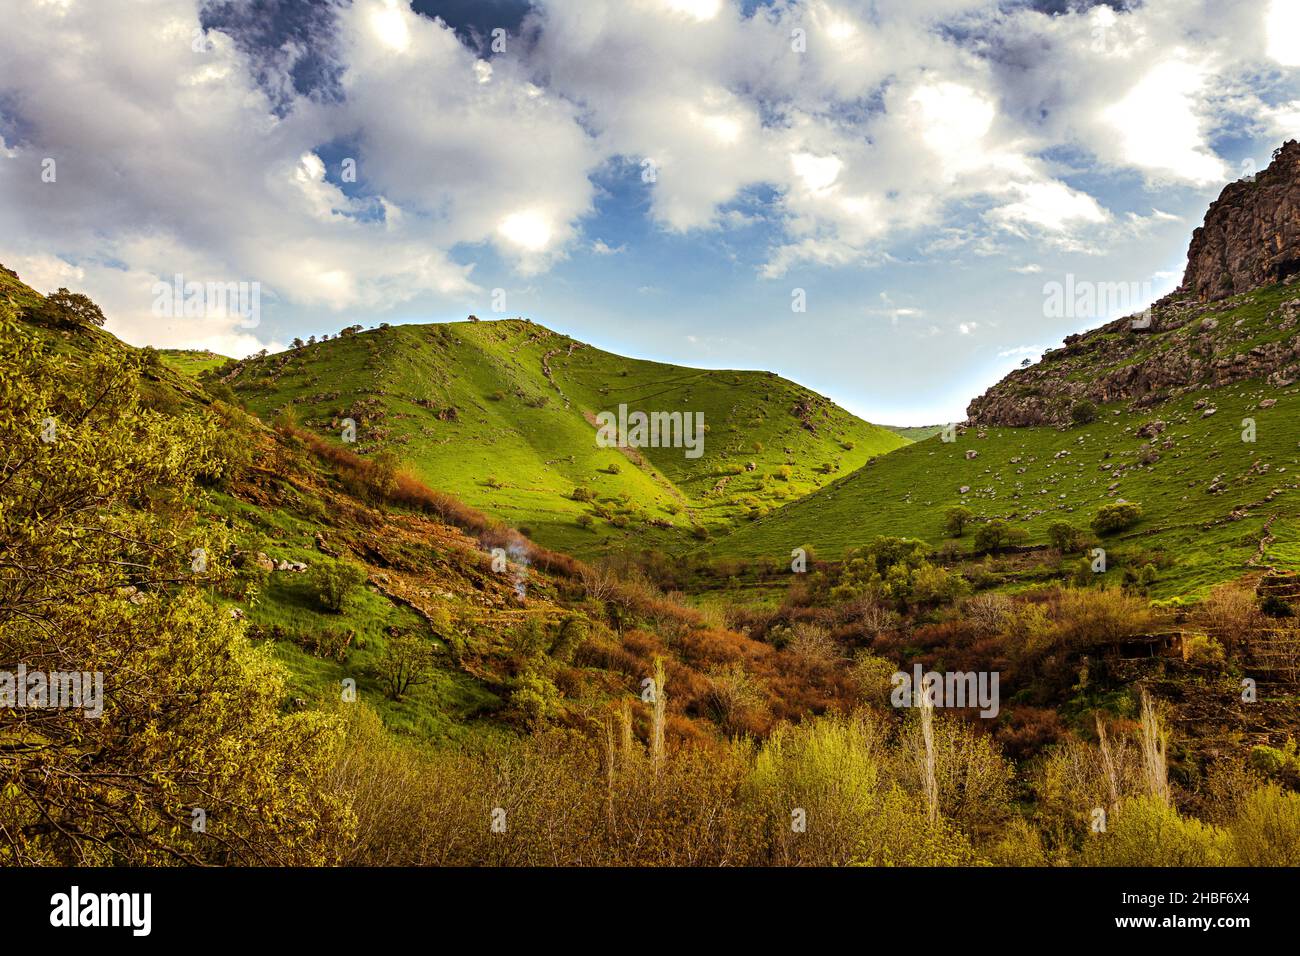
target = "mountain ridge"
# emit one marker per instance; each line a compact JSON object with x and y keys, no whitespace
{"x":502,"y":414}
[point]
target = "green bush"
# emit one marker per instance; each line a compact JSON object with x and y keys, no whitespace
{"x":1266,"y":831}
{"x":334,"y":582}
{"x":1117,"y":516}
{"x":1146,"y":832}
{"x":1083,"y":412}
{"x":536,"y":697}
{"x":1065,"y":537}
{"x":997,"y":534}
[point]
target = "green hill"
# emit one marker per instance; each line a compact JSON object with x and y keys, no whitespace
{"x":192,"y":361}
{"x":914,"y":432}
{"x":503,"y":415}
{"x":1213,"y":504}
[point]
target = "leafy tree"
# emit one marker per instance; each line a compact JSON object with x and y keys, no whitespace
{"x":955,"y":520}
{"x":1266,"y":831}
{"x":72,"y":309}
{"x":1065,"y":537}
{"x":190,"y":714}
{"x":1145,"y":831}
{"x":1116,"y":516}
{"x":997,"y":534}
{"x":334,"y":582}
{"x":407,"y":661}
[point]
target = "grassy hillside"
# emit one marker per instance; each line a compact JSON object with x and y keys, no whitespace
{"x":1183,"y":344}
{"x":502,"y":414}
{"x":914,"y":432}
{"x":1213,"y":504}
{"x":192,"y":361}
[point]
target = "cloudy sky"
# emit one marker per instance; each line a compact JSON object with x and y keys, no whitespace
{"x":663,"y":178}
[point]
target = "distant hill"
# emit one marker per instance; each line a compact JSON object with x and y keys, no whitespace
{"x":1234,"y":318}
{"x":192,"y":361}
{"x":1192,"y":411}
{"x":914,"y":432}
{"x":503,"y":415}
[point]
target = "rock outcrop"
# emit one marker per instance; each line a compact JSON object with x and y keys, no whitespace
{"x":1251,"y":235}
{"x":1241,"y":289}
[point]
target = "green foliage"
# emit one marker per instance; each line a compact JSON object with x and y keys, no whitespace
{"x":407,"y":661}
{"x":955,"y":520}
{"x":334,"y":582}
{"x":1266,"y":831}
{"x":1280,"y":763}
{"x":1201,"y":649}
{"x":535,"y":696}
{"x":191,"y":713}
{"x":891,"y":570}
{"x":1083,"y":412}
{"x":72,"y":310}
{"x":996,"y":535}
{"x":1116,"y":516}
{"x":1065,"y":537}
{"x":573,"y":633}
{"x":1144,"y":831}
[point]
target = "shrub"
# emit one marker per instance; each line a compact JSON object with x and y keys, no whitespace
{"x":1116,"y":516}
{"x":1267,"y":829}
{"x":535,"y":696}
{"x":1200,"y":649}
{"x":1083,"y":412}
{"x":1281,"y":763}
{"x":334,"y":582}
{"x":1144,"y":831}
{"x":574,"y":631}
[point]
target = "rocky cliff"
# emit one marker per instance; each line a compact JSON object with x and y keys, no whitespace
{"x":1251,"y":235}
{"x":1235,"y":317}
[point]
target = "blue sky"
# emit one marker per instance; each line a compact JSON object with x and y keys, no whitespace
{"x":660,"y":178}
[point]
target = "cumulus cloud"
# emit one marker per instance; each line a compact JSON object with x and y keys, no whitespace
{"x":861,"y":123}
{"x":173,"y":152}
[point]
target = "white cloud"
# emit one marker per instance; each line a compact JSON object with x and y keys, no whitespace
{"x":1159,"y":126}
{"x":176,"y":160}
{"x":1283,"y":26}
{"x":881,"y":127}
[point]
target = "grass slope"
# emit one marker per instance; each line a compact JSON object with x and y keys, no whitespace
{"x":1035,"y":476}
{"x":192,"y":361}
{"x":914,"y":432}
{"x":501,"y":414}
